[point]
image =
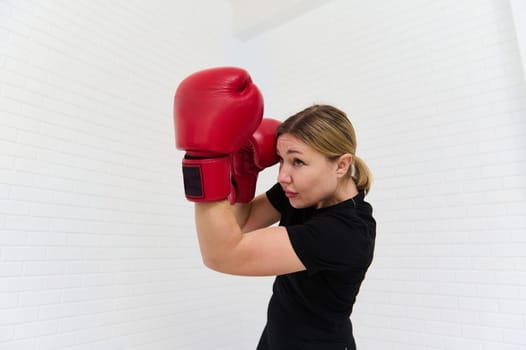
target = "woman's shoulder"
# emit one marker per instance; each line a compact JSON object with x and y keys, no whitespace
{"x":354,"y":213}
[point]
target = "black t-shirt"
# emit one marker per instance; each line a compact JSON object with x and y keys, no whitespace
{"x":311,"y":309}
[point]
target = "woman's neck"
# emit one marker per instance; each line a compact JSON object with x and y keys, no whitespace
{"x":345,"y":190}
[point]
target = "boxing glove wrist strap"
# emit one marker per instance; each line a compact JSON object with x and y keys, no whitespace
{"x":206,"y":179}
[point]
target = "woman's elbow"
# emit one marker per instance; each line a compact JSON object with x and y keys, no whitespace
{"x":224,"y":265}
{"x":213,"y":263}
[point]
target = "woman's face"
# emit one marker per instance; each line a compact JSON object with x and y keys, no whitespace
{"x":307,"y":176}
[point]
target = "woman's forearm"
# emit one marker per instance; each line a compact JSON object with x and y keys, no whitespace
{"x":218,"y":232}
{"x":241,"y":212}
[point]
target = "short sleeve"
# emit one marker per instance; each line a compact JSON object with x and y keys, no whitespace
{"x":332,"y":242}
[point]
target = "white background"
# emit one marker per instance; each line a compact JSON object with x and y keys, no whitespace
{"x":97,"y":243}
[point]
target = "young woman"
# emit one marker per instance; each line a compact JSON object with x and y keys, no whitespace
{"x":324,"y":244}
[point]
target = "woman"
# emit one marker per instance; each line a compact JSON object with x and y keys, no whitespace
{"x":324,"y":243}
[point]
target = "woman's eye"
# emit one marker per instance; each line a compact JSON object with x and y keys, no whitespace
{"x":297,"y":162}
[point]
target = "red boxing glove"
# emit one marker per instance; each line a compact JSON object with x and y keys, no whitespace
{"x":215,"y":112}
{"x":258,"y":153}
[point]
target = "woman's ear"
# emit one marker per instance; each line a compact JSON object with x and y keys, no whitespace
{"x":344,"y":164}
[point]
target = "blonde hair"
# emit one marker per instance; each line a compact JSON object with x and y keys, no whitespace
{"x":328,"y":130}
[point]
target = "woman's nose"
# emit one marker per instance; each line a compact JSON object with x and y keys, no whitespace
{"x":283,"y":175}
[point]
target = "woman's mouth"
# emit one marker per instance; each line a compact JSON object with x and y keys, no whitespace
{"x":290,"y":194}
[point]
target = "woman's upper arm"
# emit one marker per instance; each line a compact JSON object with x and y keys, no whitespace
{"x":262,"y":249}
{"x":263,"y":252}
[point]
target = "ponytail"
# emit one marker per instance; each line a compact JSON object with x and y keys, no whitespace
{"x":361,"y":175}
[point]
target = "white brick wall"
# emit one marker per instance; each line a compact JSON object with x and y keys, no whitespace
{"x":97,"y":245}
{"x":436,"y":92}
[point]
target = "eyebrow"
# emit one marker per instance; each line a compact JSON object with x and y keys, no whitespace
{"x":291,"y":151}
